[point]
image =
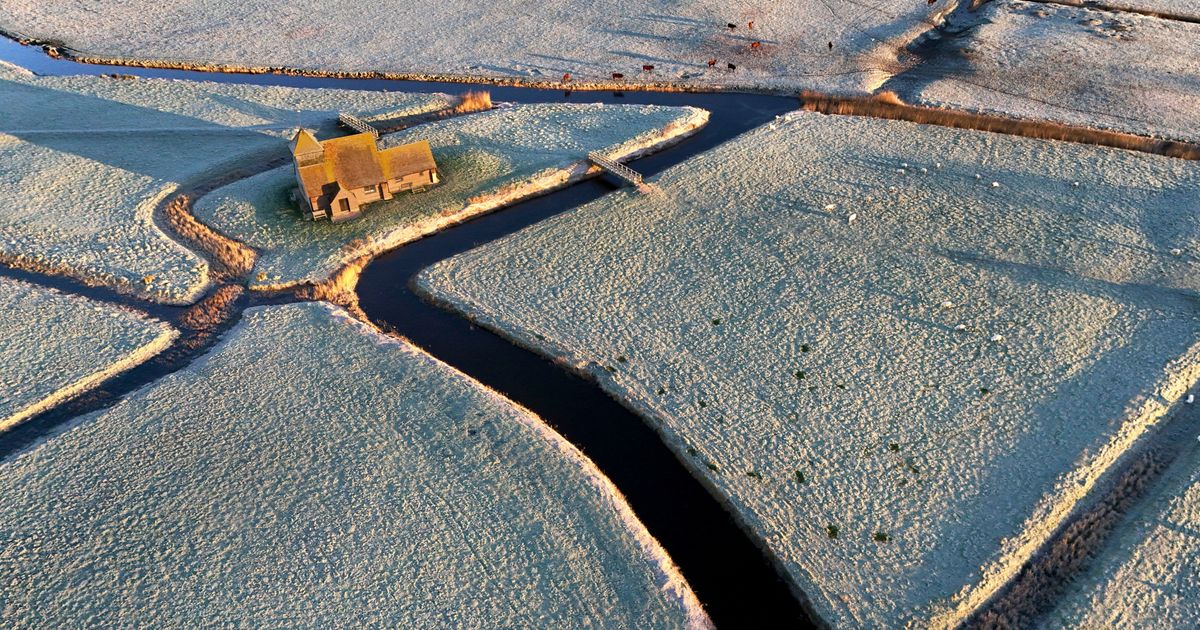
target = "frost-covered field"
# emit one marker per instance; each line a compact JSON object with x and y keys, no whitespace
{"x":590,"y":40}
{"x":487,"y":160}
{"x":1149,"y":574}
{"x":87,"y":159}
{"x":311,"y":471}
{"x":1120,"y":71}
{"x":902,"y":353}
{"x":54,"y":346}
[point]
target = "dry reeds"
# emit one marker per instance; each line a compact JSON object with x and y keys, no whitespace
{"x":888,"y":105}
{"x":1043,"y":580}
{"x":230,"y":259}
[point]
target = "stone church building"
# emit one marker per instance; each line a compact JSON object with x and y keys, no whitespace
{"x":339,"y":176}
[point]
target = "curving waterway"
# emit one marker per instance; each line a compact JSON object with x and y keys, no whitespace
{"x":738,"y":585}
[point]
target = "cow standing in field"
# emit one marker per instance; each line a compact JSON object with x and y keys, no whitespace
{"x":732,"y":67}
{"x":712,"y":63}
{"x":566,"y":77}
{"x":647,"y":68}
{"x":617,"y":76}
{"x":731,"y":25}
{"x":756,"y":46}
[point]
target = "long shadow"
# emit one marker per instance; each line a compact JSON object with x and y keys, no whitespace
{"x":738,"y":584}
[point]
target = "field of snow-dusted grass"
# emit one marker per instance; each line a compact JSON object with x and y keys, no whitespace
{"x":902,"y":353}
{"x":590,"y":40}
{"x":486,"y":160}
{"x":1111,"y":70}
{"x":312,"y":471}
{"x":87,"y":159}
{"x":55,"y":346}
{"x":1149,"y":573}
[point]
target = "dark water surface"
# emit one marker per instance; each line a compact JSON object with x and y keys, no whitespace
{"x":735,"y":581}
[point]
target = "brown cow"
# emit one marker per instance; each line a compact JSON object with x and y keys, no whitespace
{"x":566,"y":77}
{"x":712,"y":62}
{"x":755,"y":45}
{"x":647,"y":68}
{"x":617,"y":76}
{"x":750,"y":25}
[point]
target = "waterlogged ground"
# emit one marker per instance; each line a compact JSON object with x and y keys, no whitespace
{"x":486,"y":160}
{"x":87,"y":160}
{"x":310,"y":470}
{"x":56,"y":345}
{"x":902,"y":353}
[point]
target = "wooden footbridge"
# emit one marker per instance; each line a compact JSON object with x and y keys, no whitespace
{"x":616,"y":168}
{"x":358,"y":124}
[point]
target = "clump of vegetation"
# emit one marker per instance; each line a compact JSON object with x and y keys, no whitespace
{"x":893,"y":447}
{"x":800,"y":375}
{"x":711,"y":466}
{"x":911,"y":466}
{"x":800,"y":477}
{"x":753,"y":474}
{"x":703,"y":405}
{"x":691,"y":450}
{"x":622,"y":359}
{"x":716,"y":322}
{"x":831,"y":530}
{"x":984,"y":391}
{"x":881,"y":537}
{"x":804,"y":347}
{"x":662,"y":390}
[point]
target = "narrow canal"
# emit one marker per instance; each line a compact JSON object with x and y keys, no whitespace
{"x":738,"y":585}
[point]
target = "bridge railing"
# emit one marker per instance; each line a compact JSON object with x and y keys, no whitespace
{"x":616,"y":168}
{"x":358,"y":124}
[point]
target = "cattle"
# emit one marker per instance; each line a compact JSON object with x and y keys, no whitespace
{"x":731,"y":25}
{"x":732,"y":67}
{"x":566,"y":77}
{"x":617,"y":76}
{"x":750,"y":25}
{"x":830,"y":45}
{"x":712,"y":62}
{"x":647,"y":68}
{"x":755,"y":45}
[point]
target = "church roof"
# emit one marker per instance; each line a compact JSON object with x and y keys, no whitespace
{"x":304,"y":142}
{"x":356,"y":162}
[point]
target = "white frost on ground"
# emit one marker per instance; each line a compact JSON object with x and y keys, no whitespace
{"x":56,"y":346}
{"x":487,"y":160}
{"x":590,"y":40}
{"x":1149,"y":573}
{"x":311,"y":471}
{"x":87,"y":160}
{"x":1188,"y":9}
{"x":844,"y":323}
{"x":1119,"y":71}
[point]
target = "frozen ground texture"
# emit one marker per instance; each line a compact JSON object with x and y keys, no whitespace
{"x":56,"y":346}
{"x":1119,"y":71}
{"x":1149,"y":574}
{"x":590,"y":40}
{"x":486,"y":160}
{"x":787,"y":312}
{"x":87,"y":160}
{"x":311,"y":471}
